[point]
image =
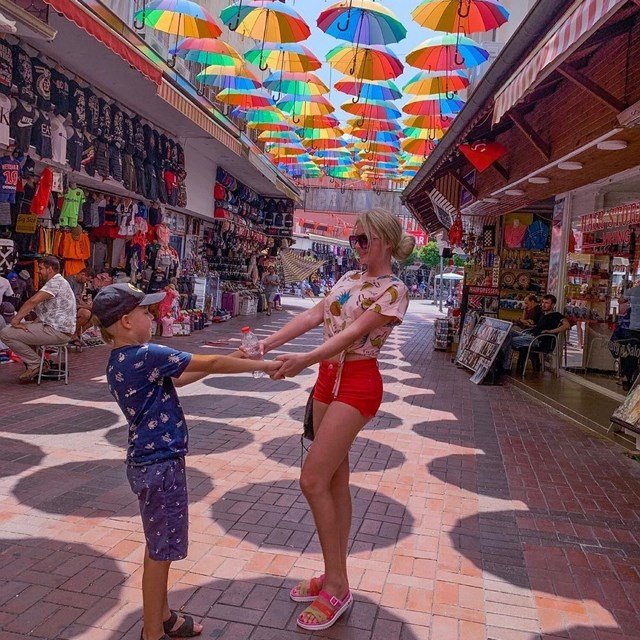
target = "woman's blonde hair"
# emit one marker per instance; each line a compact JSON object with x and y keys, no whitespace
{"x":388,"y":228}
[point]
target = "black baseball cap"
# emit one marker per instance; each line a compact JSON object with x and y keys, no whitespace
{"x":116,"y":300}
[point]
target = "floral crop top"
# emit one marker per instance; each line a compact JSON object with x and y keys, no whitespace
{"x":352,"y":295}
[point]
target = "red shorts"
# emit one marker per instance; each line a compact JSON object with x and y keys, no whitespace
{"x":360,"y":385}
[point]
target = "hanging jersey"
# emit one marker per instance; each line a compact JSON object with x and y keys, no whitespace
{"x":60,"y":93}
{"x":106,"y":118}
{"x":78,"y":105}
{"x":73,"y":200}
{"x":21,"y":124}
{"x":11,"y":173}
{"x":93,"y":112}
{"x":5,"y":110}
{"x":6,"y":67}
{"x":42,"y":84}
{"x":41,"y":135}
{"x":23,"y":74}
{"x":59,"y":137}
{"x":75,"y":145}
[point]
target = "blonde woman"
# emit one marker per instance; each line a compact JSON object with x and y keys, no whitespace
{"x":358,"y":316}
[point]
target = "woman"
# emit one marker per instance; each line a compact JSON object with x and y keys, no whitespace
{"x":531,"y":313}
{"x":270,"y":282}
{"x":358,"y":316}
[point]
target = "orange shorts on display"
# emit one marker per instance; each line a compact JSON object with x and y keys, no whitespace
{"x":360,"y":385}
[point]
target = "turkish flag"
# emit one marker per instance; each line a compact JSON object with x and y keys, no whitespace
{"x":483,"y":154}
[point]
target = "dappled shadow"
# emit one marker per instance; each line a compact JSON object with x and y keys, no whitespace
{"x":55,"y":418}
{"x":17,"y":456}
{"x":227,"y":406}
{"x":451,"y":432}
{"x":365,"y":454}
{"x":382,"y":419}
{"x":89,"y":489}
{"x":53,"y":565}
{"x":276,"y":515}
{"x":245,"y":383}
{"x":267,"y":613}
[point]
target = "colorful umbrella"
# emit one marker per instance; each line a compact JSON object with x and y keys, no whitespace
{"x":447,"y":52}
{"x":331,"y":143}
{"x":207,"y":51}
{"x":290,"y":56}
{"x":266,"y":21}
{"x":301,"y":107}
{"x":418,"y":147}
{"x":278,"y":136}
{"x":179,"y":18}
{"x":319,"y":122}
{"x":287,"y":149}
{"x":424,"y":134}
{"x":378,"y":125}
{"x":460,"y":16}
{"x":332,"y":153}
{"x":429,"y":122}
{"x":238,"y":77}
{"x":373,"y":109}
{"x":383,"y":90}
{"x":437,"y":105}
{"x":298,"y":84}
{"x":320,"y":134}
{"x":366,"y":63}
{"x":363,"y":22}
{"x":431,"y":82}
{"x":244,"y":99}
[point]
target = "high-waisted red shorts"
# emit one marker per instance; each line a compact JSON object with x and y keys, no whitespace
{"x":360,"y":385}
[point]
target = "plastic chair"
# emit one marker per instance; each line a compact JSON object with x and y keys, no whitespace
{"x":61,"y":372}
{"x":544,"y":345}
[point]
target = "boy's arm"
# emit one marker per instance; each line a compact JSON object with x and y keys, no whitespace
{"x":188,"y":376}
{"x":202,"y":366}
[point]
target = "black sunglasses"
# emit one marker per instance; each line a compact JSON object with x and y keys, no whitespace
{"x":360,"y":240}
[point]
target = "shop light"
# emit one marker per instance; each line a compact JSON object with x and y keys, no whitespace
{"x":514,"y":192}
{"x":491,"y":200}
{"x":539,"y":180}
{"x":612,"y":145}
{"x":570,"y":166}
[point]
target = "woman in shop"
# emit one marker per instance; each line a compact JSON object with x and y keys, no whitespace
{"x":270,"y":282}
{"x":357,"y":316}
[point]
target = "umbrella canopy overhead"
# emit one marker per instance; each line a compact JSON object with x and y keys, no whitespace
{"x":447,"y":52}
{"x":367,"y":63}
{"x":207,"y":51}
{"x":431,"y":82}
{"x":381,"y":90}
{"x":372,"y":109}
{"x":289,"y":56}
{"x":179,"y":18}
{"x":362,"y":21}
{"x":460,"y":16}
{"x":266,"y":21}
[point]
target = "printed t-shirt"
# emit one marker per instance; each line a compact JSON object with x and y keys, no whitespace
{"x":42,"y":84}
{"x":75,"y":146}
{"x":6,"y":67}
{"x":73,"y":200}
{"x":41,"y":135}
{"x":60,"y":92}
{"x":139,"y":378}
{"x":21,"y":125}
{"x":78,"y":105}
{"x":59,"y":311}
{"x":59,"y":137}
{"x":354,"y":294}
{"x":5,"y":111}
{"x":23,"y":74}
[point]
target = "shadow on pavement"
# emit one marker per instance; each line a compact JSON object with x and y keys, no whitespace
{"x":261,"y":608}
{"x":59,"y":419}
{"x":226,"y":406}
{"x":245,"y":383}
{"x":276,"y":515}
{"x":90,"y":489}
{"x":17,"y":456}
{"x":365,"y":454}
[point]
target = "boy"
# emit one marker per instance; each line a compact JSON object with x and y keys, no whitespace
{"x":142,"y":377}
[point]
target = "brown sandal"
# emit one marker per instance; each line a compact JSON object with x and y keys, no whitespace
{"x":185,"y":630}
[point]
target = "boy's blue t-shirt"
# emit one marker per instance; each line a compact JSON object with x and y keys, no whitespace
{"x":139,"y":378}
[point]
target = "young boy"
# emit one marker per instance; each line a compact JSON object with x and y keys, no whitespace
{"x":142,"y":377}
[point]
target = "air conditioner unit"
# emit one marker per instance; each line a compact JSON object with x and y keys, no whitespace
{"x":630,"y":117}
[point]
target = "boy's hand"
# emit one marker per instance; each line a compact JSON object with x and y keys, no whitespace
{"x":271,"y":367}
{"x":293,"y":364}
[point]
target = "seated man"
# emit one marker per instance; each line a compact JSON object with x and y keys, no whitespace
{"x":531,"y":313}
{"x":55,"y":308}
{"x":550,"y":322}
{"x":78,"y":283}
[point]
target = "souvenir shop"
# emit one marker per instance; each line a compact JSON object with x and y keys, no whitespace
{"x":245,"y":236}
{"x":335,"y":254}
{"x":89,"y":181}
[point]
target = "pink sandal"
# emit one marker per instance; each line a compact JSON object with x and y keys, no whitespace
{"x":312,"y":590}
{"x":326,"y":609}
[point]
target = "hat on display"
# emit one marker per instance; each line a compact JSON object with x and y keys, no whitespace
{"x":117,"y":300}
{"x":24,"y":274}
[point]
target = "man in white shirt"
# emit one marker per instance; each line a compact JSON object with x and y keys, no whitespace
{"x":5,"y":289}
{"x":55,"y":307}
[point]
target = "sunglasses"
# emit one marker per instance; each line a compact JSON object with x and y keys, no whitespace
{"x":361,"y":240}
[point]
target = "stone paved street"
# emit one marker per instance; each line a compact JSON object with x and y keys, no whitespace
{"x":478,"y":512}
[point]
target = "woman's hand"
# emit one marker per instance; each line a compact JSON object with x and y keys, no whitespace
{"x":292,"y":365}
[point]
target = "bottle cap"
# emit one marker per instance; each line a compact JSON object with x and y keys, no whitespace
{"x":245,"y":329}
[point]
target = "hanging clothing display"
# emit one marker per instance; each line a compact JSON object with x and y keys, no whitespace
{"x":59,"y":139}
{"x":41,"y":84}
{"x":5,"y":111}
{"x":60,"y":93}
{"x":41,"y":135}
{"x":73,"y":200}
{"x":23,"y":74}
{"x":6,"y":67}
{"x":21,"y":124}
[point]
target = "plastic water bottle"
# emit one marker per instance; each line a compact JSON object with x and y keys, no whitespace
{"x":251,"y":346}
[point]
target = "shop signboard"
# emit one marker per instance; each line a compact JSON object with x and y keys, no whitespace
{"x":609,"y":230}
{"x":26,"y":223}
{"x":421,"y":237}
{"x":482,"y":347}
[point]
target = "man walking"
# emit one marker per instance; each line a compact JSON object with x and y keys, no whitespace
{"x":55,"y":308}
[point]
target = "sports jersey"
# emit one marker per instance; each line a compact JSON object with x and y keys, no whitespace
{"x":21,"y":124}
{"x":59,"y":137}
{"x":6,"y":67}
{"x":42,"y":84}
{"x":11,"y":173}
{"x":60,"y":93}
{"x":5,"y":110}
{"x":73,"y":200}
{"x":41,"y":135}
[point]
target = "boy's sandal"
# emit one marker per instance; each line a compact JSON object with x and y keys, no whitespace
{"x":307,"y":590}
{"x":326,"y":609}
{"x":185,"y":630}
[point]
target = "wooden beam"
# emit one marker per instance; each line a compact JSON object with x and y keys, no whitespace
{"x":501,"y":170}
{"x":600,"y":94}
{"x":531,"y":134}
{"x":464,"y":184}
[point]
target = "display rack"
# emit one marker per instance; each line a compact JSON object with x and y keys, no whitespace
{"x":443,"y":335}
{"x":523,"y":271}
{"x":481,"y":349}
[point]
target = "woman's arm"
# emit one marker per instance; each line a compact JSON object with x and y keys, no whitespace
{"x":302,"y":323}
{"x":201,"y":366}
{"x":364,"y":325}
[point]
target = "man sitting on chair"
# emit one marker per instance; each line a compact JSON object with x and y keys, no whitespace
{"x":55,"y":308}
{"x":549,"y":323}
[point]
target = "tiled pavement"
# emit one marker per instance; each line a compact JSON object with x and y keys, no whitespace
{"x":478,"y":513}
